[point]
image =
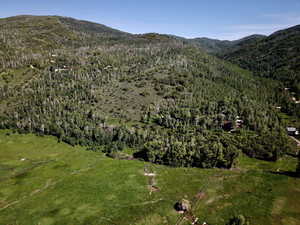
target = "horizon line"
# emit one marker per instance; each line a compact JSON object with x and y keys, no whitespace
{"x":176,"y":35}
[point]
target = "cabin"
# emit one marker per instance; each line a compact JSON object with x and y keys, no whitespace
{"x":292,"y":131}
{"x":60,"y":70}
{"x":232,"y":125}
{"x":239,"y":123}
{"x":63,"y":69}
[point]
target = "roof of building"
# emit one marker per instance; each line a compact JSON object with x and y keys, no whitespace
{"x":291,"y":129}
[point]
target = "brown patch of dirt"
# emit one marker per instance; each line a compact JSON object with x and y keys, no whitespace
{"x":154,"y":188}
{"x":2,"y":203}
{"x":8,"y":205}
{"x":200,"y":195}
{"x":278,"y":206}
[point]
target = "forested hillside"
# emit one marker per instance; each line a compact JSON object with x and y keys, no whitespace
{"x":31,"y":39}
{"x":276,"y":57}
{"x":218,"y":47}
{"x":168,"y":100}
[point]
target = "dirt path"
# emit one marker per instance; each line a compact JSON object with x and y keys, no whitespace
{"x":149,"y":172}
{"x":49,"y":183}
{"x":26,"y":170}
{"x":296,"y":140}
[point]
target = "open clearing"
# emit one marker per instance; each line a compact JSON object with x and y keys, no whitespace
{"x":45,"y":182}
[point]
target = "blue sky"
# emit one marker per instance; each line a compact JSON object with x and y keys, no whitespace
{"x":222,"y":19}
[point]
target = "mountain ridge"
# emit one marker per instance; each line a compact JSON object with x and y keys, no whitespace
{"x":216,"y":47}
{"x":201,"y":41}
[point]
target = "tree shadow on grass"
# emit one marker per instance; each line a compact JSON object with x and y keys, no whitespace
{"x":141,"y":155}
{"x":286,"y":173}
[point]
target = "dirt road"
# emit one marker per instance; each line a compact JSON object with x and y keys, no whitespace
{"x":296,"y":140}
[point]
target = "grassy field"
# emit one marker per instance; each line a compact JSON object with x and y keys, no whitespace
{"x":45,"y":182}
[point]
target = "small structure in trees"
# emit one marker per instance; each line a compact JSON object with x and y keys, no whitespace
{"x":239,"y":123}
{"x":292,"y":131}
{"x":232,"y":125}
{"x":60,"y":70}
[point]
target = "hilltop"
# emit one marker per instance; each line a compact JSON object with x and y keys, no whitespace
{"x":212,"y":45}
{"x":220,"y":47}
{"x":27,"y":38}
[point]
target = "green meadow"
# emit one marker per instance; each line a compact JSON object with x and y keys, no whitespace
{"x":43,"y":182}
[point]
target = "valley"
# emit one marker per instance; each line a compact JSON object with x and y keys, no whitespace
{"x":101,"y":126}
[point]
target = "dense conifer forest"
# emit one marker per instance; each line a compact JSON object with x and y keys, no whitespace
{"x":275,"y":57}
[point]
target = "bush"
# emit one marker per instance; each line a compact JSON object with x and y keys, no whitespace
{"x":238,"y":220}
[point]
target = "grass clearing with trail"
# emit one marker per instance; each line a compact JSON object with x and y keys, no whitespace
{"x":46,"y":182}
